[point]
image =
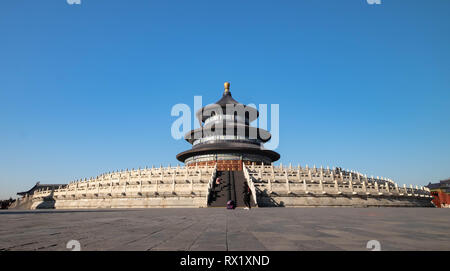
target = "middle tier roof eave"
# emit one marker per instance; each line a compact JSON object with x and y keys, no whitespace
{"x":262,"y":134}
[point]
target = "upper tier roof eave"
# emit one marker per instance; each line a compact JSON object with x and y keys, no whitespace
{"x":226,"y":99}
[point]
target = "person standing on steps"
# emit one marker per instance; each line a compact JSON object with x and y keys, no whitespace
{"x":218,"y":181}
{"x":247,"y":194}
{"x":216,"y":187}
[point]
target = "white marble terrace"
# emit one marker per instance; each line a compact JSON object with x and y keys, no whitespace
{"x":284,"y":180}
{"x":148,"y":182}
{"x":196,"y":183}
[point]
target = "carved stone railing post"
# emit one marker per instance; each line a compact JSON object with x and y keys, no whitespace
{"x":140,"y":181}
{"x":321,"y":176}
{"x":173,"y":183}
{"x":210,"y":184}
{"x":288,"y":188}
{"x":111,"y":186}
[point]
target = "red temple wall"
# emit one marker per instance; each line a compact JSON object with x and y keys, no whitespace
{"x":440,"y":198}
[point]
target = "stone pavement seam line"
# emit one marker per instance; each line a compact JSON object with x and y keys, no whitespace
{"x":226,"y":232}
{"x":198,"y":236}
{"x":164,"y":241}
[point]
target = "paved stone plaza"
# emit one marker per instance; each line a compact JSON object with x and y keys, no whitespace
{"x":221,"y":229}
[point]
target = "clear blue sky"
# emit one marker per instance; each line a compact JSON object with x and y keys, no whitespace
{"x":86,"y":89}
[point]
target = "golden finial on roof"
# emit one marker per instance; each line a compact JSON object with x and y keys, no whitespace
{"x":227,"y":86}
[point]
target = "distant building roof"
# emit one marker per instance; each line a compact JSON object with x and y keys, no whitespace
{"x":443,"y":185}
{"x":433,"y":185}
{"x":38,"y":186}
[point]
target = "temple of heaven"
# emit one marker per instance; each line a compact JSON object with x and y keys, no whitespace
{"x":226,"y":138}
{"x":226,"y":161}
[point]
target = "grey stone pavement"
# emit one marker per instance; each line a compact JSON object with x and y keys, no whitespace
{"x":221,"y":229}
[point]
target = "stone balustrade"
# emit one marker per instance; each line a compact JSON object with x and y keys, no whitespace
{"x":271,"y":185}
{"x":175,"y":182}
{"x":250,"y":183}
{"x":280,"y":181}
